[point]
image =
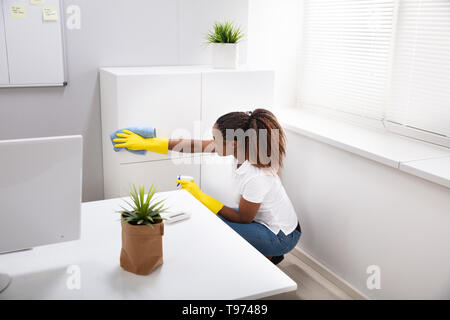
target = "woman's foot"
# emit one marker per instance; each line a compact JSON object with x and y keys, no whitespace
{"x":277,"y":259}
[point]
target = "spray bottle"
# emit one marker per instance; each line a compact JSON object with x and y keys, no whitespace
{"x":180,"y":177}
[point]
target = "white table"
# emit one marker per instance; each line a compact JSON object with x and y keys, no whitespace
{"x":203,"y":259}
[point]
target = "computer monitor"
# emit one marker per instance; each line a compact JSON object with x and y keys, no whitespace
{"x":40,"y":192}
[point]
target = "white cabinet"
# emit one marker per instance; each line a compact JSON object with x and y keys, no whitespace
{"x":162,"y":173}
{"x":179,"y":101}
{"x":169,"y":102}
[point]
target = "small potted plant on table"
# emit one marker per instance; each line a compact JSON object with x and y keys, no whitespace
{"x":224,"y":39}
{"x":142,"y":231}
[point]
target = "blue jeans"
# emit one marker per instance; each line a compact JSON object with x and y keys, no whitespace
{"x":263,"y":239}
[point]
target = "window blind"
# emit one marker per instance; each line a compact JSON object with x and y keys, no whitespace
{"x":345,"y":55}
{"x":420,"y":85}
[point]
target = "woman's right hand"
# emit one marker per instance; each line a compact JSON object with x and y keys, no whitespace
{"x":133,"y":141}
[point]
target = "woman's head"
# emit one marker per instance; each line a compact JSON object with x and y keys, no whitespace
{"x":255,"y":136}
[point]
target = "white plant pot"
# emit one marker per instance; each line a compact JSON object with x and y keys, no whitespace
{"x":225,"y":55}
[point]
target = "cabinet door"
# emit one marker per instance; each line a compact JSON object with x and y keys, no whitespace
{"x":224,"y":92}
{"x":170,"y":103}
{"x":218,"y":178}
{"x":4,"y":73}
{"x":162,"y":173}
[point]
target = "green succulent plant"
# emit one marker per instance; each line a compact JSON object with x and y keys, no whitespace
{"x":224,"y":32}
{"x":143,"y":211}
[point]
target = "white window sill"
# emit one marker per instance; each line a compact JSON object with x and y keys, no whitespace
{"x":425,"y":160}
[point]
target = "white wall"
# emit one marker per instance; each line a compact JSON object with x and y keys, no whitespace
{"x":356,"y":212}
{"x":274,"y":40}
{"x":197,"y":18}
{"x":113,"y":33}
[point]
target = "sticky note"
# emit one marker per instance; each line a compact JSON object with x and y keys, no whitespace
{"x":36,"y":2}
{"x":49,"y":14}
{"x":18,"y":11}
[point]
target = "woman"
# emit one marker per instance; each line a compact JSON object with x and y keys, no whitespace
{"x":265,"y":216}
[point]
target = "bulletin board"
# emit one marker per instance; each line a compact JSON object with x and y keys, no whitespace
{"x":32,"y":44}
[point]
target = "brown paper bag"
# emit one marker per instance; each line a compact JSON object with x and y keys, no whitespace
{"x":142,"y":249}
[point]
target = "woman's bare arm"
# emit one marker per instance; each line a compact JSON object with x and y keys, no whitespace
{"x":191,"y":145}
{"x":245,"y":214}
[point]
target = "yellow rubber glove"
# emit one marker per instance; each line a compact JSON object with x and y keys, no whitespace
{"x":134,"y":141}
{"x":209,"y":202}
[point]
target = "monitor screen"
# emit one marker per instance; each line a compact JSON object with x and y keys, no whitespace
{"x":40,"y":191}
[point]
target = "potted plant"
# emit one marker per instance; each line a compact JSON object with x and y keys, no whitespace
{"x":142,"y":231}
{"x":224,"y":39}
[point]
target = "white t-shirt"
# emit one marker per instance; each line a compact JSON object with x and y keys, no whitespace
{"x":263,"y":185}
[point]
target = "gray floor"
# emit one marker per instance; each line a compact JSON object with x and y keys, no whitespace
{"x":310,"y":284}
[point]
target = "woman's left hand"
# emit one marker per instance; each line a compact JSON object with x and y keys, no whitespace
{"x":191,"y":186}
{"x":211,"y":203}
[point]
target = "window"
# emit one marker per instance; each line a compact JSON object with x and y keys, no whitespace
{"x":381,"y":59}
{"x":420,"y":95}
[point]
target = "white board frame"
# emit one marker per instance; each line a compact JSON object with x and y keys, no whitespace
{"x":4,"y":66}
{"x":59,"y":23}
